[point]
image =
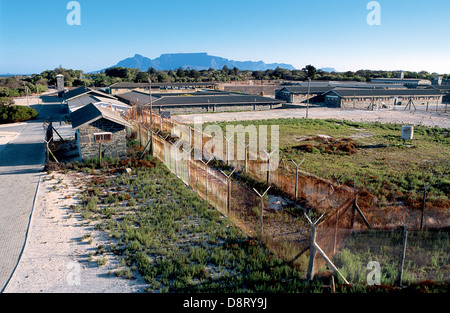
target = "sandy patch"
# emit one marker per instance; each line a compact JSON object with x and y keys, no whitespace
{"x":60,"y":253}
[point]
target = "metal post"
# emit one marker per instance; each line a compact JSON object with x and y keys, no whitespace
{"x":206,"y":176}
{"x":228,"y":190}
{"x":312,"y":254}
{"x":269,"y":155}
{"x":296,"y":178}
{"x":307,"y":98}
{"x":227,"y":146}
{"x":425,"y":189}
{"x":261,"y":212}
{"x":151,"y":100}
{"x":402,"y":257}
{"x":99,"y":154}
{"x":189,"y":164}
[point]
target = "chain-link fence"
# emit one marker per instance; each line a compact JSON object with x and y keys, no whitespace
{"x":276,"y":218}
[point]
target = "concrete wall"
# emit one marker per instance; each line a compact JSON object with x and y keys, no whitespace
{"x":118,"y":91}
{"x":215,"y":108}
{"x":364,"y":103}
{"x":298,"y":98}
{"x":117,"y":148}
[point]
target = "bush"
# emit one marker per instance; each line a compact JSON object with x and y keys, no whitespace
{"x":16,"y":113}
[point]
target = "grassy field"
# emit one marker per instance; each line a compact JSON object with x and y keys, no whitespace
{"x":387,"y":172}
{"x":174,"y":239}
{"x":158,"y":227}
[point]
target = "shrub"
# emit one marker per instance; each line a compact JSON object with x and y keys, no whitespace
{"x":16,"y":113}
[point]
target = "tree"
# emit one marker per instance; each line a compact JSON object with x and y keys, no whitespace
{"x":6,"y":101}
{"x":310,"y":71}
{"x":141,"y":77}
{"x":180,"y":73}
{"x":258,"y":75}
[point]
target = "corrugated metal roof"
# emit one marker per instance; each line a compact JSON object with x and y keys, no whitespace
{"x":354,"y":92}
{"x":91,"y":112}
{"x":232,"y":99}
{"x":156,"y":85}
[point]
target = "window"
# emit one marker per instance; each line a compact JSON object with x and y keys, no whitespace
{"x":103,"y":137}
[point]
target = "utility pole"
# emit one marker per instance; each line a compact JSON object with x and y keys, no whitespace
{"x":26,"y":92}
{"x":151,"y":101}
{"x":307,"y":97}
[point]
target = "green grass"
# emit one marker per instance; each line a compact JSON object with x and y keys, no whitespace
{"x":426,"y":256}
{"x":177,"y":241}
{"x":383,"y":165}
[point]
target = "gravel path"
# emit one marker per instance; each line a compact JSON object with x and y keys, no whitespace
{"x":57,"y":257}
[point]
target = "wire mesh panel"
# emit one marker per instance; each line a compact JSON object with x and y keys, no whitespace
{"x":332,"y":232}
{"x":281,"y":228}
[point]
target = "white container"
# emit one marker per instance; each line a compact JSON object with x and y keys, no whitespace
{"x":407,"y":132}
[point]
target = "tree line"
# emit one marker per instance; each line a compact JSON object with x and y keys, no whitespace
{"x":18,"y":85}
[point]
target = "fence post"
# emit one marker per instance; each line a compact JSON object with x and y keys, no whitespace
{"x":296,"y":178}
{"x":99,"y":154}
{"x":312,"y":247}
{"x":312,"y":253}
{"x":261,"y":212}
{"x":188,"y":164}
{"x":269,"y":155}
{"x":402,"y":257}
{"x":227,"y":146}
{"x":425,"y":189}
{"x":206,"y":176}
{"x":228,"y":190}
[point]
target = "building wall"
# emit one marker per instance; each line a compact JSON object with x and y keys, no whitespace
{"x":298,"y":98}
{"x":216,"y":108}
{"x":117,"y":148}
{"x":366,"y":102}
{"x":118,"y":91}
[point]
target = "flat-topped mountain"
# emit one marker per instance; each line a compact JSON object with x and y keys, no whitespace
{"x":197,"y":61}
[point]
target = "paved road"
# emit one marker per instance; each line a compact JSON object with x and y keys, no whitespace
{"x":21,"y":164}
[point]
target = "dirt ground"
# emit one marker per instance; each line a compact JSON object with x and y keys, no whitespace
{"x":400,"y":116}
{"x":57,"y":258}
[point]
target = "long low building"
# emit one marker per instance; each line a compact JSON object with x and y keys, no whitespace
{"x":199,"y":102}
{"x":365,"y":98}
{"x":299,"y":92}
{"x":124,"y":87}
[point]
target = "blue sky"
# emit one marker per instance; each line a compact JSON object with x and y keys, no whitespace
{"x":413,"y":35}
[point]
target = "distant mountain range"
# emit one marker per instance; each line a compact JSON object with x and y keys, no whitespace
{"x":197,"y":61}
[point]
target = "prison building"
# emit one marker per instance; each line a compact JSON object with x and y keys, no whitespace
{"x":200,"y":102}
{"x":99,"y":130}
{"x":408,"y":82}
{"x":120,"y":88}
{"x":84,"y":91}
{"x":299,"y":94}
{"x":368,"y":98}
{"x":104,"y":102}
{"x":445,"y":90}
